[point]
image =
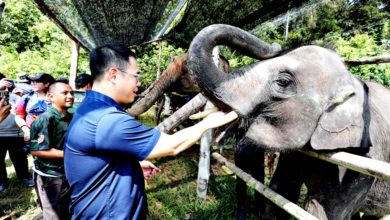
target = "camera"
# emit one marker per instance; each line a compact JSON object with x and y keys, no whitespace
{"x":12,"y":83}
{"x":6,"y":94}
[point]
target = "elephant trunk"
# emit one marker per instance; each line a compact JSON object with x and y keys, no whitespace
{"x":208,"y":75}
{"x":157,"y":89}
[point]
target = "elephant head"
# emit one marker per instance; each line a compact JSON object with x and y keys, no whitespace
{"x":304,"y":96}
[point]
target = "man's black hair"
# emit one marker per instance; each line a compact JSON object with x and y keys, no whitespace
{"x":82,"y":80}
{"x":104,"y":57}
{"x":63,"y":80}
{"x":2,"y":76}
{"x":54,"y":85}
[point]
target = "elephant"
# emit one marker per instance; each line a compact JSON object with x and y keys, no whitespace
{"x":175,"y":79}
{"x":302,"y":99}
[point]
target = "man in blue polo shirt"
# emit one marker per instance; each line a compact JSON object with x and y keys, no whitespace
{"x":105,"y":145}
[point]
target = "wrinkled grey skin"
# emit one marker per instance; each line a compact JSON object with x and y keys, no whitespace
{"x":303,"y":99}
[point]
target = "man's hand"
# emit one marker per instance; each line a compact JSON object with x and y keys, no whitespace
{"x":26,"y":133}
{"x":149,"y":169}
{"x":4,"y":110}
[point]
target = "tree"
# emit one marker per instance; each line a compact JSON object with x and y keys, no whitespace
{"x":2,"y":5}
{"x":30,"y":42}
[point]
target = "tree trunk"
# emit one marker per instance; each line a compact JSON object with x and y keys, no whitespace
{"x":2,"y":5}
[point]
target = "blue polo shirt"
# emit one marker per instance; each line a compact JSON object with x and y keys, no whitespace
{"x":103,"y":147}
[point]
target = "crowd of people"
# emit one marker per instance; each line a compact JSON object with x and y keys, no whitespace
{"x":89,"y":153}
{"x":34,"y":120}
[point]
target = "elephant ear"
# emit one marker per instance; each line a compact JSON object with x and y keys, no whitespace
{"x":342,"y":125}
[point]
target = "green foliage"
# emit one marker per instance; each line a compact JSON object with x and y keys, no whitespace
{"x":30,"y":42}
{"x":355,"y":29}
{"x":363,"y":45}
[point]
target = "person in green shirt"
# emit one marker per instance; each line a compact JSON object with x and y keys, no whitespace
{"x":47,"y":141}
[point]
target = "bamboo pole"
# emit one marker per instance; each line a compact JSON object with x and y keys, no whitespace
{"x":279,"y":200}
{"x":372,"y":167}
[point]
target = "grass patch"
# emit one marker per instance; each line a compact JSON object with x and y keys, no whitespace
{"x":172,"y":193}
{"x":17,"y":199}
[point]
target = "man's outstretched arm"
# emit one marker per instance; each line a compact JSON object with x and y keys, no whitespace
{"x":171,"y":145}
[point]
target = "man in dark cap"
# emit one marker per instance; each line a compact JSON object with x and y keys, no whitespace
{"x":42,"y":77}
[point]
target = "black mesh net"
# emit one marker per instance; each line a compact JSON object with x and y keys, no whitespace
{"x":134,"y":22}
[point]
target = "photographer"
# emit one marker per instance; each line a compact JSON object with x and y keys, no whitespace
{"x":4,"y":109}
{"x":11,"y":140}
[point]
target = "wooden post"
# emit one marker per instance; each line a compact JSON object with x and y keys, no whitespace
{"x":204,"y":161}
{"x":159,"y":59}
{"x":287,"y":23}
{"x":205,"y":148}
{"x":74,"y":63}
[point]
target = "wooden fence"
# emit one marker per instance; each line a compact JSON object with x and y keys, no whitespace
{"x":376,"y":168}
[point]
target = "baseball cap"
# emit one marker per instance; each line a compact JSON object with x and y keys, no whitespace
{"x":42,"y":77}
{"x":22,"y":78}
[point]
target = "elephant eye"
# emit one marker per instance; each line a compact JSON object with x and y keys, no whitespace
{"x":284,"y":84}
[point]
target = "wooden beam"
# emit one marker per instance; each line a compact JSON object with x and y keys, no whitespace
{"x":279,"y":200}
{"x":368,"y":60}
{"x":191,"y":107}
{"x":372,"y":167}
